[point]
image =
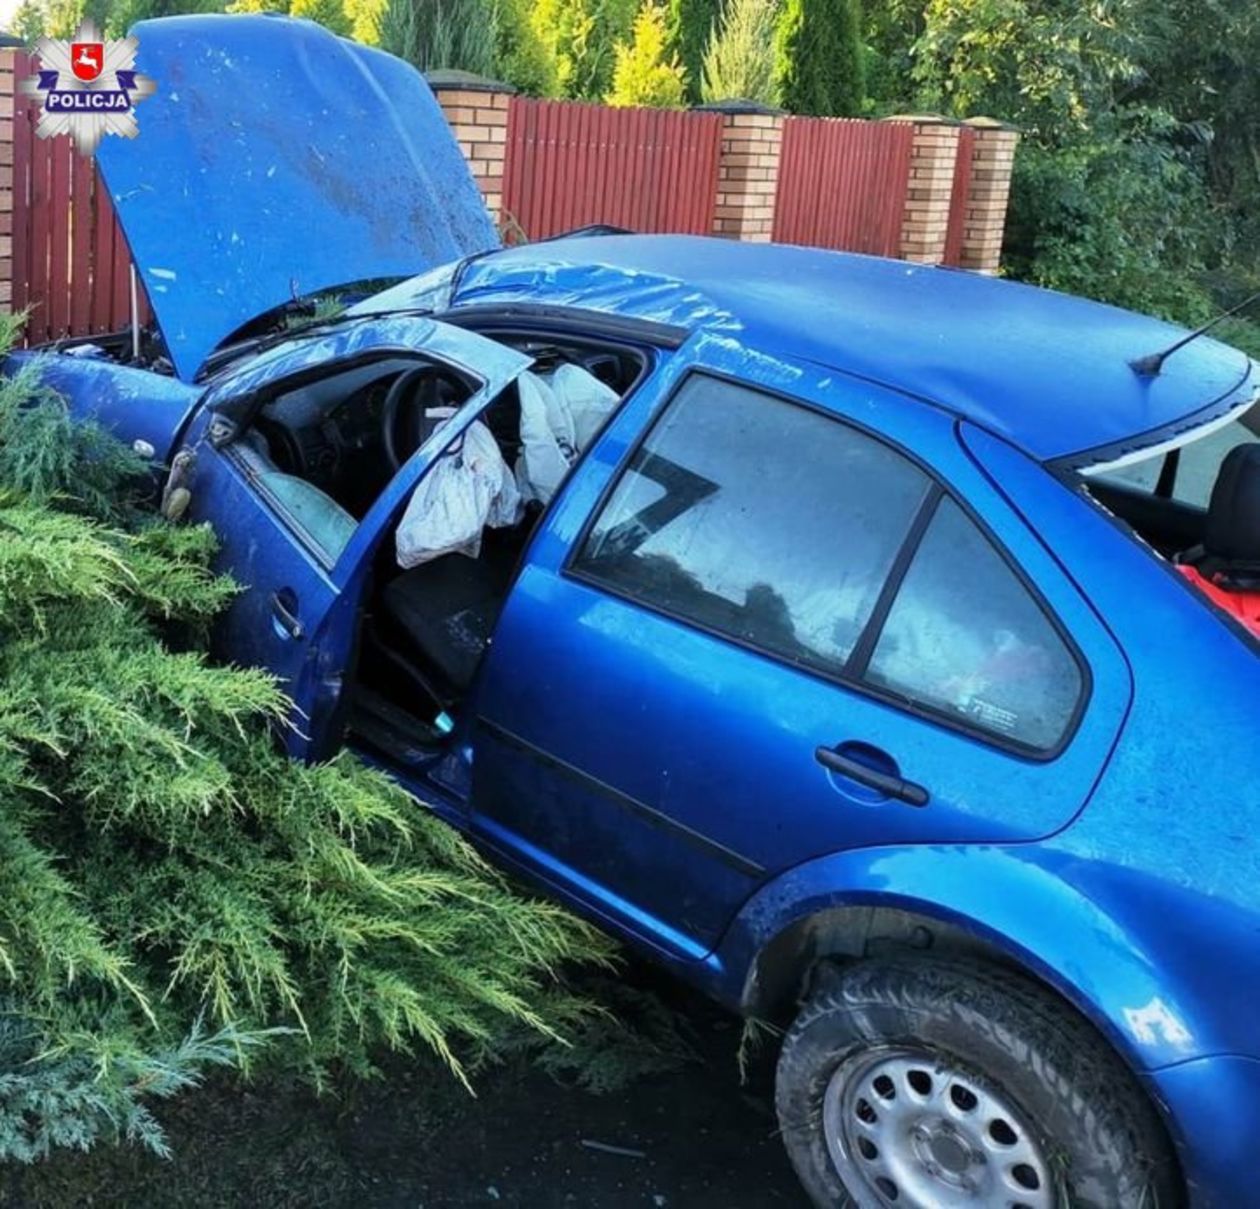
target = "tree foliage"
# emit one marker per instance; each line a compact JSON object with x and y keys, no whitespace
{"x":176,"y":891}
{"x":689,"y":27}
{"x":645,"y":72}
{"x":523,"y":57}
{"x":819,"y":57}
{"x":1138,"y":140}
{"x":433,"y":34}
{"x":580,"y":37}
{"x":739,"y":59}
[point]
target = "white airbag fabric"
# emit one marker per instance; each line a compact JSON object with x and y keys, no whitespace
{"x":560,"y":414}
{"x":468,"y":488}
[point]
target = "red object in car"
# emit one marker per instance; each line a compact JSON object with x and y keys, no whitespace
{"x":1243,"y":605}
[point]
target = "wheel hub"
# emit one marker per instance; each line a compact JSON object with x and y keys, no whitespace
{"x":908,"y":1130}
{"x":937,"y":1145}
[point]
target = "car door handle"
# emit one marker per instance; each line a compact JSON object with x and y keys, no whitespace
{"x":863,"y":774}
{"x":284,"y":610}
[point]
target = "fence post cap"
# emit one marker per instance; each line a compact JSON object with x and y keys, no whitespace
{"x":987,"y":123}
{"x":923,"y":119}
{"x":739,"y":105}
{"x":466,"y":81}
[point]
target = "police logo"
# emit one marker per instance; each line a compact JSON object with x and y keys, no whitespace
{"x":87,"y":88}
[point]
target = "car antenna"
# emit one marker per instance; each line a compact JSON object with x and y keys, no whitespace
{"x":1150,"y":365}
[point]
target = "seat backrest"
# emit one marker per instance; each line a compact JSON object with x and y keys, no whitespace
{"x":1230,"y":553}
{"x":328,"y":523}
{"x":1233,"y":524}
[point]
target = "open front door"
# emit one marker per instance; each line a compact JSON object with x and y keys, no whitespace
{"x":303,"y":582}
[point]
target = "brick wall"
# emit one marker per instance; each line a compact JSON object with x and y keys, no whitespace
{"x":992,"y":162}
{"x":748,"y":171}
{"x":933,"y":161}
{"x":477,"y":110}
{"x":7,"y":95}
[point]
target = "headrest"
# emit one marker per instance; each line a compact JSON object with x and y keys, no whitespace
{"x":1232,"y":535}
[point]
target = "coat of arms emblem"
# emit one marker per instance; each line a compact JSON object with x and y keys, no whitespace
{"x":87,"y":60}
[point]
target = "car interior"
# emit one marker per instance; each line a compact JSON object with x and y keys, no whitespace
{"x":1198,"y":504}
{"x":325,"y":451}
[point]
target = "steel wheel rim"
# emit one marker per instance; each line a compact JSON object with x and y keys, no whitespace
{"x":909,"y":1129}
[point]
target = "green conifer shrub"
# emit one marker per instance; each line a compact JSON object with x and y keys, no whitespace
{"x":179,"y":895}
{"x":820,"y":61}
{"x":739,"y":58}
{"x":645,"y":72}
{"x":689,"y":24}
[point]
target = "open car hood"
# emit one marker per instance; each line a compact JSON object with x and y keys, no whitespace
{"x":275,"y":160}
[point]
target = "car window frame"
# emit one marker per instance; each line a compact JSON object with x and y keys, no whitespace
{"x":288,"y":521}
{"x":936,"y":490}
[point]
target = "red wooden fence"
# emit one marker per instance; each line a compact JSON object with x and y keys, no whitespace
{"x":71,"y":266}
{"x":958,"y":199}
{"x":842,"y":184}
{"x":647,"y":169}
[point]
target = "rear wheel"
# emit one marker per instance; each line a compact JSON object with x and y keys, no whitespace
{"x":922,"y":1083}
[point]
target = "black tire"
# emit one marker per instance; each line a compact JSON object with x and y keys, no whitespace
{"x":1106,"y":1146}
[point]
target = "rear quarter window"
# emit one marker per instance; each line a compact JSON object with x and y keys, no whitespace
{"x":965,"y":637}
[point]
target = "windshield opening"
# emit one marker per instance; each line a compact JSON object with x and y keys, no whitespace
{"x":1182,"y":471}
{"x":1168,"y":497}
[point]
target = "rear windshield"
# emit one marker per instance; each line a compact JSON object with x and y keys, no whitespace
{"x":1184,"y":470}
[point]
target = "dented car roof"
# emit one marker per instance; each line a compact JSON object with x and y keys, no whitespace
{"x":277,"y":160}
{"x":1048,"y":371}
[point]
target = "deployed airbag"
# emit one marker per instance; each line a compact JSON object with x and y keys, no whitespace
{"x":560,"y":414}
{"x":468,"y":488}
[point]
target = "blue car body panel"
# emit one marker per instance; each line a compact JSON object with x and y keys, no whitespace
{"x":280,"y":160}
{"x":679,"y":835}
{"x":1213,"y":1106}
{"x":1046,"y":370}
{"x":651,"y":774}
{"x":135,"y":402}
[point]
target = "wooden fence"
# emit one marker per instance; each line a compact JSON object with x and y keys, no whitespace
{"x":70,"y":263}
{"x":568,"y":165}
{"x":959,"y":198}
{"x":842,"y":184}
{"x":907,"y":187}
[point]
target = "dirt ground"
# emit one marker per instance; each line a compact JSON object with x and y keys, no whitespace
{"x":693,"y":1139}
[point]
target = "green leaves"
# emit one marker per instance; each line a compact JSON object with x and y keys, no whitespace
{"x":646,"y":71}
{"x":164,"y":864}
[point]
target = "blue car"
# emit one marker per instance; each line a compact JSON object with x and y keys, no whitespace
{"x":824,"y":627}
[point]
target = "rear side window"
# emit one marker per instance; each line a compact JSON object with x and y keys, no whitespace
{"x":789,"y":531}
{"x":759,"y":519}
{"x":965,"y":637}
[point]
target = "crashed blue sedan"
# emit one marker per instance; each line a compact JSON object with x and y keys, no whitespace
{"x":853,"y":638}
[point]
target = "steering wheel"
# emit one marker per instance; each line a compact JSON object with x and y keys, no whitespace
{"x":423,"y":386}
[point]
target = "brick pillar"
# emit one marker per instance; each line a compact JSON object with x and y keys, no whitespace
{"x":748,"y":169}
{"x":477,"y":110}
{"x":933,"y":158}
{"x":8,"y":93}
{"x":992,"y":162}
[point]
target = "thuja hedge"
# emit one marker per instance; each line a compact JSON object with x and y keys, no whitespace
{"x":175,"y":893}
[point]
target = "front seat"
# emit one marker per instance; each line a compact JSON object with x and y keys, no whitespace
{"x":329,"y":525}
{"x":1230,"y":553}
{"x":446,"y":611}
